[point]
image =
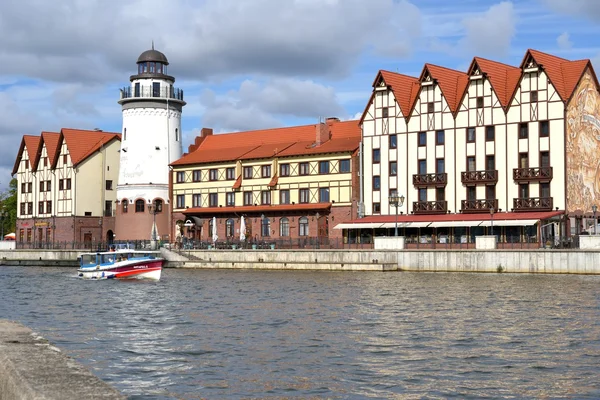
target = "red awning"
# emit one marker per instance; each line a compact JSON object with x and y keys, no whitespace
{"x":499,"y":216}
{"x":238,"y":183}
{"x":273,"y":182}
{"x":257,"y":209}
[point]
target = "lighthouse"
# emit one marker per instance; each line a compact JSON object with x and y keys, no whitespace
{"x":150,"y":141}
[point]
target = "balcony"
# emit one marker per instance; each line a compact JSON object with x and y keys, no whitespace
{"x":533,"y":204}
{"x":424,"y":180}
{"x":430,"y":207}
{"x":532,"y":174}
{"x":477,"y":177}
{"x":478,"y":206}
{"x":148,"y":92}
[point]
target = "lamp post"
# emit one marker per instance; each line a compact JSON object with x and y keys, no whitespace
{"x":396,"y":201}
{"x":492,"y":218}
{"x":153,"y":209}
{"x":594,"y":209}
{"x":3,"y":215}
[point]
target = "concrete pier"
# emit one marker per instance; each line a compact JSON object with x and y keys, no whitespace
{"x":32,"y":368}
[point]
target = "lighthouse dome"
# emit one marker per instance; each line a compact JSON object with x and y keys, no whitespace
{"x":153,"y":56}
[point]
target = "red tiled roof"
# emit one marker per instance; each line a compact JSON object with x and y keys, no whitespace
{"x":502,"y":216}
{"x":238,"y":183}
{"x":83,"y":143}
{"x":503,"y":78}
{"x":51,"y":140}
{"x":32,"y":144}
{"x":404,"y":87}
{"x":267,"y":143}
{"x":452,"y":84}
{"x":256,"y":209}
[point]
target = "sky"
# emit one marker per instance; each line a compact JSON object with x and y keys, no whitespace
{"x":247,"y":65}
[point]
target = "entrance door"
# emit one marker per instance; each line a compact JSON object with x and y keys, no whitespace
{"x":87,"y":239}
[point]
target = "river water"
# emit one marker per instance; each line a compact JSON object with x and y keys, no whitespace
{"x":341,"y":335}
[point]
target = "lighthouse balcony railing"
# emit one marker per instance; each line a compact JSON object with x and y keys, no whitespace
{"x":150,"y":92}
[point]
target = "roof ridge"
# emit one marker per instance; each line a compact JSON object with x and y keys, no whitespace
{"x":546,"y":54}
{"x":495,"y":62}
{"x":399,"y":74}
{"x":446,"y":68}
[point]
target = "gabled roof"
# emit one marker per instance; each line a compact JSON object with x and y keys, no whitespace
{"x":32,"y":144}
{"x":452,"y":83}
{"x":50,"y":139}
{"x":83,"y":143}
{"x":503,"y":78}
{"x":404,"y":87}
{"x":267,"y":143}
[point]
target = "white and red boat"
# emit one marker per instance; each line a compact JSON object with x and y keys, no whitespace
{"x":120,"y":264}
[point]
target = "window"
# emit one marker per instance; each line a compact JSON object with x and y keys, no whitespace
{"x":524,"y":191}
{"x":180,"y":176}
{"x":23,"y":187}
{"x":393,"y":141}
{"x":247,"y":198}
{"x":196,"y":175}
{"x":470,"y":135}
{"x":303,"y":226}
{"x":230,"y":173}
{"x":176,"y":135}
{"x":41,"y":207}
{"x":544,"y":128}
{"x":266,"y":171}
{"x":196,"y":200}
{"x":155,"y":89}
{"x":440,"y":166}
{"x":265,"y":226}
{"x":303,"y":196}
{"x":440,"y":194}
{"x":480,"y":102}
{"x":45,"y":161}
{"x":471,"y":193}
{"x":440,"y":137}
{"x":544,"y":159}
{"x":213,"y":174}
{"x":544,"y":190}
{"x":108,"y":208}
{"x":385,"y":112}
{"x":304,"y":168}
{"x":284,"y":227}
{"x":48,"y":186}
{"x":422,"y":138}
{"x":30,"y":208}
{"x":377,"y":208}
{"x":125,"y":133}
{"x":393,"y":168}
{"x":247,"y":172}
{"x":422,"y":166}
{"x":61,"y":185}
{"x":42,"y":186}
{"x":109,"y":185}
{"x":422,"y":194}
{"x":523,"y":130}
{"x":230,"y":199}
{"x":430,"y":107}
{"x":344,"y":166}
{"x":323,"y":167}
{"x":376,"y":156}
{"x":64,"y":159}
{"x":490,"y":192}
{"x":124,"y":204}
{"x":284,"y":196}
{"x":376,"y":182}
{"x":68,"y":184}
{"x":284,"y":169}
{"x":158,"y":205}
{"x":323,"y":195}
{"x":490,"y":133}
{"x":213,"y":199}
{"x":523,"y":160}
{"x":27,"y":164}
{"x":490,"y":163}
{"x":265,"y":197}
{"x":534,"y":96}
{"x":23,"y":205}
{"x":48,"y":207}
{"x":229,"y":228}
{"x":139,"y":206}
{"x":471,"y":163}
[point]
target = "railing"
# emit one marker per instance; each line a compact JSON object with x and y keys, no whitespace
{"x":479,"y":206}
{"x":150,"y":92}
{"x":532,"y":203}
{"x":430,"y":207}
{"x":488,"y":176}
{"x":430,"y":179}
{"x":532,"y":174}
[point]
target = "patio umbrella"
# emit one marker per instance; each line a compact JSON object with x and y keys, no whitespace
{"x":242,"y":229}
{"x":10,"y":236}
{"x":215,"y":237}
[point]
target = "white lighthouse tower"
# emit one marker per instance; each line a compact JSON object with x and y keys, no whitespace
{"x":151,"y":140}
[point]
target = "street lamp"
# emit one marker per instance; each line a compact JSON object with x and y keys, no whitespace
{"x":492,"y":218}
{"x":396,"y":201}
{"x":594,"y":209}
{"x":154,"y":209}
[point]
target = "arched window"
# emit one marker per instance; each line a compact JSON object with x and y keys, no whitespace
{"x":265,"y":225}
{"x":284,"y":227}
{"x":158,"y":204}
{"x":139,"y":205}
{"x":176,"y":135}
{"x":229,"y":228}
{"x":303,"y":226}
{"x":124,"y":203}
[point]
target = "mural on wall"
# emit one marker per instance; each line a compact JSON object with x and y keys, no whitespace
{"x":583,"y":147}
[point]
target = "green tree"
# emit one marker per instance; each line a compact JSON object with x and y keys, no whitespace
{"x":8,"y":203}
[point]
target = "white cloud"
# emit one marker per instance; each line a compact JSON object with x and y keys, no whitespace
{"x":563,"y":41}
{"x":586,"y":8}
{"x":491,"y":33}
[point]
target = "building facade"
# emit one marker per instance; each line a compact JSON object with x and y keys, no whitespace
{"x":515,"y":145}
{"x":151,"y":140}
{"x":66,"y":187}
{"x":286,"y":183}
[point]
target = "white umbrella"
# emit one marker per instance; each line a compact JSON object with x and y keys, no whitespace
{"x":215,"y":237}
{"x":243,"y":229}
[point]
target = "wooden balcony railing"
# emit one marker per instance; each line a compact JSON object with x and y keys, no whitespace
{"x":532,"y":204}
{"x":430,"y":179}
{"x":430,"y":207}
{"x":475,"y":177}
{"x":532,"y":174}
{"x":479,"y":206}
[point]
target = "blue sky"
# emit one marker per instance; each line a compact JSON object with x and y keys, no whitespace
{"x":259,"y":64}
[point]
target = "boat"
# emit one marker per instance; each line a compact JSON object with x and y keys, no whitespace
{"x":120,"y":264}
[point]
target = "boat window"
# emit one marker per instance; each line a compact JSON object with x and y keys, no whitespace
{"x":88,"y":259}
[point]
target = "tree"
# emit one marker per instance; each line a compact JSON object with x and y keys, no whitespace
{"x":8,"y":203}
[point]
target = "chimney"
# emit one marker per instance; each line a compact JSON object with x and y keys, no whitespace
{"x":332,"y":120}
{"x":204,"y":132}
{"x":322,"y":133}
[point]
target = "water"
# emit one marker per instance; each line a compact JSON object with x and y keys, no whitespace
{"x":253,"y":334}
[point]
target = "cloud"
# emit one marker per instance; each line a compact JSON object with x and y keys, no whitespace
{"x":586,"y":8}
{"x":258,"y":105}
{"x":490,"y":33}
{"x":563,"y":41}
